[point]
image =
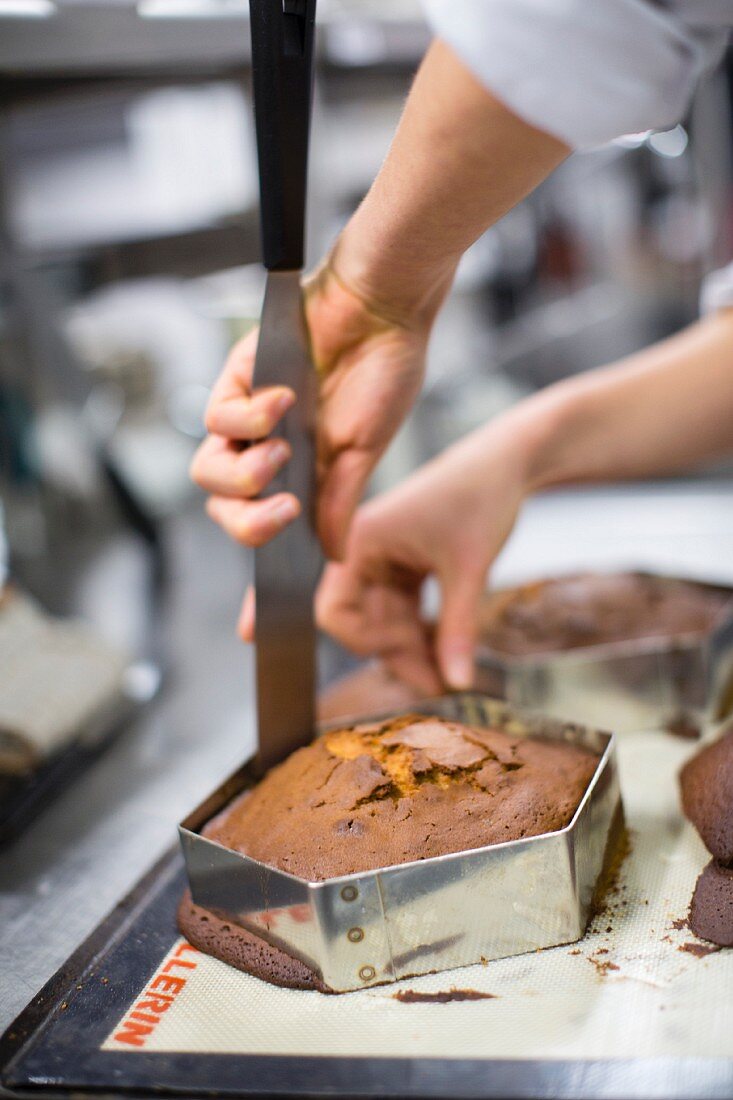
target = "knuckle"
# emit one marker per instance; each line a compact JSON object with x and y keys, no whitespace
{"x":249,"y":533}
{"x":211,"y":417}
{"x":247,"y":483}
{"x":243,"y":534}
{"x":195,"y":471}
{"x":324,"y":610}
{"x":261,"y":424}
{"x":362,"y":526}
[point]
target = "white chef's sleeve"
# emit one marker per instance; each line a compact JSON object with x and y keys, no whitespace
{"x":587,"y":71}
{"x":717,"y":290}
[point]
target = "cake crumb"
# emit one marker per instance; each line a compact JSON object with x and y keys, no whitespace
{"x":411,"y":996}
{"x":603,"y":967}
{"x":699,"y":950}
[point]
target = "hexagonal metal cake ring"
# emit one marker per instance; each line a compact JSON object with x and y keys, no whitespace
{"x":435,"y":914}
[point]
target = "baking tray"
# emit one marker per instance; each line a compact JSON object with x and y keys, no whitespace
{"x":56,"y":1046}
{"x":436,"y":914}
{"x":626,"y":1013}
{"x":23,"y":797}
{"x":682,"y":685}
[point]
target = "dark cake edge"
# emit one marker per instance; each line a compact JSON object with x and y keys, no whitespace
{"x":242,"y":949}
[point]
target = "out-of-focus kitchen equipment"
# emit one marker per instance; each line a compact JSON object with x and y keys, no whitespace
{"x":59,"y":681}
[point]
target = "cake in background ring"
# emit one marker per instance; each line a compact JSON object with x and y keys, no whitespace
{"x":555,"y":616}
{"x":588,"y":609}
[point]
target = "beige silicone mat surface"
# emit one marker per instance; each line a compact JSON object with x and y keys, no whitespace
{"x":629,"y":989}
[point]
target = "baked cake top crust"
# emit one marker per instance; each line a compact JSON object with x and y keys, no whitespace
{"x":410,"y":788}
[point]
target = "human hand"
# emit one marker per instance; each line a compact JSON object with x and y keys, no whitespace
{"x":449,"y":520}
{"x":371,"y":370}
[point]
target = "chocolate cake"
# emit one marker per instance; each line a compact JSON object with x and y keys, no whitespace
{"x":373,"y":795}
{"x":411,"y":788}
{"x":354,"y":693}
{"x":707,"y":795}
{"x":711,"y":909}
{"x":241,"y":948}
{"x":596,"y":609}
{"x":707,"y":799}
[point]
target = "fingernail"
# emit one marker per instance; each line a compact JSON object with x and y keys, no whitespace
{"x":284,"y":511}
{"x":285,"y":402}
{"x":459,"y":670}
{"x":277,"y":454}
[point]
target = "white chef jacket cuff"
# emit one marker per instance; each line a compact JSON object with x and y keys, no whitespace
{"x":586,"y":71}
{"x":717,"y":291}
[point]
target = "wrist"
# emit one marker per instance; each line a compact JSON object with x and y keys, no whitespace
{"x":398,"y":286}
{"x":533,"y":436}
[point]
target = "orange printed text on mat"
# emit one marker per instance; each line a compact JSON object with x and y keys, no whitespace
{"x":159,"y":994}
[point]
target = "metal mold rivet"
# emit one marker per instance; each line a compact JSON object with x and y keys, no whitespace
{"x":367,"y":973}
{"x":349,"y":893}
{"x":355,"y":935}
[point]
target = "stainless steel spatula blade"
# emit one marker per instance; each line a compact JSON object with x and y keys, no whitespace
{"x":287,"y":569}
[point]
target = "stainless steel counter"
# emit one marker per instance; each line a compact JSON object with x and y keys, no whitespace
{"x":91,"y":845}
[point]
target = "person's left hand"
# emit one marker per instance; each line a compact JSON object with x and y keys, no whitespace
{"x":449,"y":520}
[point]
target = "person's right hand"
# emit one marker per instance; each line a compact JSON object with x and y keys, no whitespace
{"x":371,"y":369}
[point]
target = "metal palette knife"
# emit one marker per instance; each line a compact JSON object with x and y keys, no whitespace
{"x":286,"y":569}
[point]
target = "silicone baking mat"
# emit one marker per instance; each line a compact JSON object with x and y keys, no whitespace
{"x":638,"y":1008}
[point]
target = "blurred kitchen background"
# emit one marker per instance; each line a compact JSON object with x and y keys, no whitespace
{"x":129,"y":264}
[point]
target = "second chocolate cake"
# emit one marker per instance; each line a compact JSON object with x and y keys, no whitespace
{"x":590,"y":609}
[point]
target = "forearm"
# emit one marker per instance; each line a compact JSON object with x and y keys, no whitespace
{"x":459,"y":161}
{"x":662,"y":411}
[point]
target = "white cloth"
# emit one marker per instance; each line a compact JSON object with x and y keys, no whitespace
{"x":717,"y":290}
{"x":587,"y":71}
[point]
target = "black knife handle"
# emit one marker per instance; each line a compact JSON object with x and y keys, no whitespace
{"x":282,"y":78}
